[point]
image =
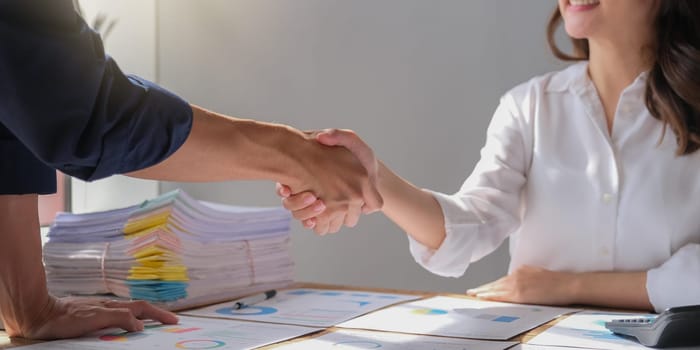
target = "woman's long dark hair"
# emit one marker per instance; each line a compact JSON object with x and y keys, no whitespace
{"x":673,"y":85}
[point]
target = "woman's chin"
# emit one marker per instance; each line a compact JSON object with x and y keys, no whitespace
{"x":578,"y":31}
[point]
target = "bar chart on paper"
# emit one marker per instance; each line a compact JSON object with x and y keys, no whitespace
{"x":354,"y":339}
{"x":306,"y":307}
{"x":458,"y":317}
{"x":190,"y":333}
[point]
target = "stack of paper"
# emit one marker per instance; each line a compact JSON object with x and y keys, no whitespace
{"x":173,"y":250}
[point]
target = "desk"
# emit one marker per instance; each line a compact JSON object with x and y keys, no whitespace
{"x":7,"y":343}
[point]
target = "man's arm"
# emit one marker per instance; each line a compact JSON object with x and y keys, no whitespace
{"x":23,"y":290}
{"x":27,"y":308}
{"x":220,"y":148}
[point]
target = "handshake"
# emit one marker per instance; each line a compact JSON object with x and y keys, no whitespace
{"x":341,"y":183}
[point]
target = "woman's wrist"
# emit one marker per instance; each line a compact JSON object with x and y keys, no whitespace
{"x":575,"y":286}
{"x":392,"y":187}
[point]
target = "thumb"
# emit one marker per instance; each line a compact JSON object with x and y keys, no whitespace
{"x":373,"y":201}
{"x":349,"y":140}
{"x":283,"y":190}
{"x":329,"y":137}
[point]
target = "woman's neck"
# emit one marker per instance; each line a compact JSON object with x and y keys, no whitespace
{"x":613,"y":66}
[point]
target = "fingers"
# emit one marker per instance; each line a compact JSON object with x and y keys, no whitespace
{"x":485,"y":287}
{"x":115,"y":317}
{"x":309,"y":223}
{"x":73,"y":317}
{"x":283,"y":190}
{"x":144,"y":310}
{"x":349,"y":140}
{"x":321,"y":227}
{"x":299,"y":201}
{"x":336,"y":223}
{"x":353,"y":215}
{"x":373,"y":200}
{"x":315,"y":209}
{"x":495,"y":296}
{"x":329,"y":137}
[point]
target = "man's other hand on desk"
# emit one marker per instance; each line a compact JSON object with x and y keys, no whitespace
{"x":73,"y":317}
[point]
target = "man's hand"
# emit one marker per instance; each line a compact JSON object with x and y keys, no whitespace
{"x":73,"y":317}
{"x":27,"y":308}
{"x":530,"y":285}
{"x":223,"y":148}
{"x":309,"y":207}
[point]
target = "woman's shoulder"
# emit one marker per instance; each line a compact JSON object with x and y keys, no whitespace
{"x":552,"y":82}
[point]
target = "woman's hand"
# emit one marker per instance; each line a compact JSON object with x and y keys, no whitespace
{"x":530,"y":285}
{"x":309,"y":209}
{"x":304,"y":206}
{"x":73,"y":317}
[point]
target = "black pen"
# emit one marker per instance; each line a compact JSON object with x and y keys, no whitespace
{"x":253,"y":299}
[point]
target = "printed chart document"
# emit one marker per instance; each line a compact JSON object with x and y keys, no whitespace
{"x":355,"y":339}
{"x":306,"y":307}
{"x":191,"y":333}
{"x":587,"y":329}
{"x":458,"y":317}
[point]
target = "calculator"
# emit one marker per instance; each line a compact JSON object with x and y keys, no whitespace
{"x":677,"y":326}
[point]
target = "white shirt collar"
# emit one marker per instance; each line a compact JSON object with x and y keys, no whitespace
{"x":575,"y":78}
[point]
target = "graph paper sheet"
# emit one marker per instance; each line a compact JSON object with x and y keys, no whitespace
{"x":458,"y":317}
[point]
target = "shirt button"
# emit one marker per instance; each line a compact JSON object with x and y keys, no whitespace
{"x":607,"y":198}
{"x":604,"y":251}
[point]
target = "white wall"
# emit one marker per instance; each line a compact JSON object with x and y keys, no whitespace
{"x":132,"y":43}
{"x":417,"y":79}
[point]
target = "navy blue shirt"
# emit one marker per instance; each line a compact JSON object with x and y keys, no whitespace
{"x":66,"y":105}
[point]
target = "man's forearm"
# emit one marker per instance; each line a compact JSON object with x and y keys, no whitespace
{"x":23,"y":293}
{"x":221,"y":148}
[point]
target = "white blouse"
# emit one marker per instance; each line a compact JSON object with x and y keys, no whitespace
{"x":573,"y":196}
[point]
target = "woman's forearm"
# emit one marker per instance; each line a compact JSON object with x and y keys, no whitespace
{"x":626,"y":290}
{"x":414,"y":210}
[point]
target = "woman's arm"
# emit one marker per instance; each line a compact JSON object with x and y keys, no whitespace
{"x":674,"y":283}
{"x":625,"y":290}
{"x":534,"y":285}
{"x":411,"y":208}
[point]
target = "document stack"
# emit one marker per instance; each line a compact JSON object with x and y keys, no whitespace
{"x":172,"y":250}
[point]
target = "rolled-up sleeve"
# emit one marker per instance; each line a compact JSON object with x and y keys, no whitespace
{"x":69,"y":103}
{"x":677,"y":281}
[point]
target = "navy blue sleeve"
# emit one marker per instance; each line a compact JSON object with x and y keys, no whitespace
{"x":70,"y":105}
{"x":20,"y":171}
